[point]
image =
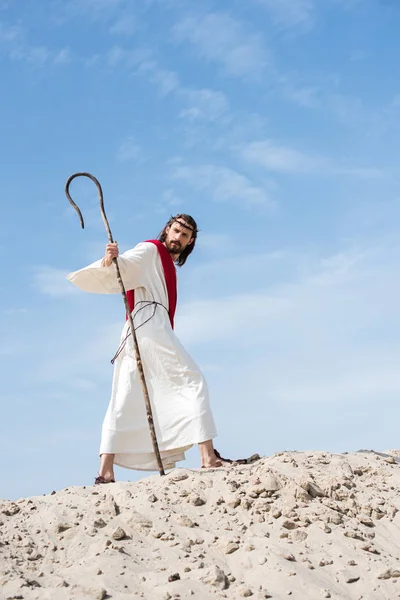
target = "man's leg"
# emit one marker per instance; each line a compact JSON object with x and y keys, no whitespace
{"x":207,"y":455}
{"x":107,"y":466}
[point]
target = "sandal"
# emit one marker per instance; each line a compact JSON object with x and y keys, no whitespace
{"x":239,"y":461}
{"x":100,"y":479}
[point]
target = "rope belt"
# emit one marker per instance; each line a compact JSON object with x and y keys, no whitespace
{"x":145,"y":303}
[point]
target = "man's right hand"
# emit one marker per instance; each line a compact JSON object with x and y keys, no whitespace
{"x":111,"y":252}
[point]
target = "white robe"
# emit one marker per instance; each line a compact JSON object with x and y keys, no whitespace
{"x":177,"y":389}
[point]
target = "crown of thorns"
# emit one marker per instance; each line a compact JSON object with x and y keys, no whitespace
{"x":183,"y":224}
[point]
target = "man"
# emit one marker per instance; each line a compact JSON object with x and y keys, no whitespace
{"x":178,"y":391}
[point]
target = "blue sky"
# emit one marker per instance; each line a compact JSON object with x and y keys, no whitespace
{"x":275,"y":123}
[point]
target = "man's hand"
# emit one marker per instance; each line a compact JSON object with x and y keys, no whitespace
{"x":111,"y":252}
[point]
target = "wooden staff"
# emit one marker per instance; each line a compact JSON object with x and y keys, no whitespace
{"x":128,"y":311}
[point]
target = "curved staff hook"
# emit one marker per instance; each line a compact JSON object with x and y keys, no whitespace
{"x":128,"y":311}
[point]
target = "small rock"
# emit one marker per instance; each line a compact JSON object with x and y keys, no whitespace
{"x":350,"y":578}
{"x":313,"y":489}
{"x":216,"y":577}
{"x":234,"y":503}
{"x":231,"y":547}
{"x":152,"y":498}
{"x":197,"y":500}
{"x":99,"y":523}
{"x":12,"y":510}
{"x":389,"y":574}
{"x":174,"y":577}
{"x":119,"y":534}
{"x":61,"y":527}
{"x":276,"y":513}
{"x":178,"y":477}
{"x":249,"y":547}
{"x":335,"y":518}
{"x":354,"y":535}
{"x":98,"y":594}
{"x":324,"y":562}
{"x":308,"y":563}
{"x":299,"y":535}
{"x":271,"y":483}
{"x":325,"y":593}
{"x":157,"y":534}
{"x":289,"y":525}
{"x":245,"y":592}
{"x":288,"y":557}
{"x":366,"y":521}
{"x":370,"y":548}
{"x":185,"y":521}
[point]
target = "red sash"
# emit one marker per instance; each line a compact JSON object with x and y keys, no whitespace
{"x":170,"y":280}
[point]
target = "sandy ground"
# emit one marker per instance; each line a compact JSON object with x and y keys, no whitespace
{"x":305,"y":525}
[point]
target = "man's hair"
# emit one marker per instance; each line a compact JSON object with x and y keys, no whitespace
{"x":192,"y":225}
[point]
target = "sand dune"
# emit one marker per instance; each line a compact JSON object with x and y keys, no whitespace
{"x":304,"y":525}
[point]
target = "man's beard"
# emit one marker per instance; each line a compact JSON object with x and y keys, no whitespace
{"x":174,"y":247}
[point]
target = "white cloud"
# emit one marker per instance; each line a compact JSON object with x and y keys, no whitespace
{"x":128,"y":150}
{"x":125,"y":25}
{"x":284,"y":159}
{"x":140,"y":60}
{"x":204,"y":104}
{"x":16,"y":46}
{"x":303,"y":95}
{"x":348,"y":4}
{"x":220,"y":38}
{"x":130,"y":59}
{"x":9,"y":33}
{"x":52,"y":281}
{"x":99,"y":5}
{"x":10,"y":312}
{"x":211,"y":243}
{"x":36,"y":56}
{"x":223,"y":185}
{"x":166,"y":81}
{"x":93,"y":9}
{"x":62,"y":57}
{"x":290,"y":13}
{"x":170,"y":198}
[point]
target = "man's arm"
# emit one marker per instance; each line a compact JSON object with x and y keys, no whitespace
{"x":101,"y":277}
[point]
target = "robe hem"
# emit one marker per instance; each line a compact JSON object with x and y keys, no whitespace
{"x":164,"y":449}
{"x":143,"y":469}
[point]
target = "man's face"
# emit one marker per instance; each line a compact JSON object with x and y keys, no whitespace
{"x":179,"y":236}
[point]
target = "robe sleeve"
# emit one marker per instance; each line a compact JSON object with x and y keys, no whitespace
{"x":103,"y":280}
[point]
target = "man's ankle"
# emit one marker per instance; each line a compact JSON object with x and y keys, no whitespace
{"x":106,"y":474}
